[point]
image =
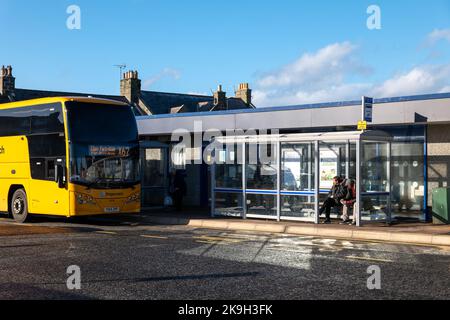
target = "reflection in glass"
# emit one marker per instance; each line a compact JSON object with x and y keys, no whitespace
{"x":408,"y":187}
{"x":374,"y":208}
{"x":154,"y":168}
{"x":261,"y":167}
{"x":228,"y":169}
{"x":229,"y":204}
{"x":302,"y":207}
{"x":297,"y":167}
{"x":259,"y":204}
{"x":374,"y":165}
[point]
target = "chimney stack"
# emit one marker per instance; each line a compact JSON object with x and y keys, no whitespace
{"x":130,"y":86}
{"x":220,"y":99}
{"x":7,"y":82}
{"x":244,"y":93}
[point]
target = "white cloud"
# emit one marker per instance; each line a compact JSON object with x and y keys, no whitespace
{"x":332,"y":73}
{"x":314,"y":77}
{"x":310,"y":69}
{"x":445,"y":89}
{"x":328,"y":94}
{"x":166,"y":72}
{"x":419,"y":80}
{"x":196,"y":93}
{"x":437,"y":35}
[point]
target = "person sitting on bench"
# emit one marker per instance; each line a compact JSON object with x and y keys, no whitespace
{"x":348,"y":202}
{"x":334,"y":198}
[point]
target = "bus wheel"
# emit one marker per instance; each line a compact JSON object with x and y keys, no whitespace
{"x":19,"y":206}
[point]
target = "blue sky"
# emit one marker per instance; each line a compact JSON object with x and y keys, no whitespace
{"x":289,"y":51}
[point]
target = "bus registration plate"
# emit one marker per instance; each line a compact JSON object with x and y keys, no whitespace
{"x":112,"y":210}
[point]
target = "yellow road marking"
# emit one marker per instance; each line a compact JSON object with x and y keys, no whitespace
{"x":213,"y":242}
{"x":106,"y":232}
{"x":218,"y":239}
{"x":153,"y":237}
{"x":368,"y":259}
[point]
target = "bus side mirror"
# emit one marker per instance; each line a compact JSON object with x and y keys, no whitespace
{"x":59,"y":175}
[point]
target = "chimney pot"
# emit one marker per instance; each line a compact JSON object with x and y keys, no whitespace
{"x":7,"y":82}
{"x":220,"y":99}
{"x":130,"y":86}
{"x":244,"y":93}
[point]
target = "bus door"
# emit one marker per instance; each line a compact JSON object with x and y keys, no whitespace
{"x":47,"y":197}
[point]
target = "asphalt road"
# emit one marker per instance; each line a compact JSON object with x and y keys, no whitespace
{"x":134,"y":260}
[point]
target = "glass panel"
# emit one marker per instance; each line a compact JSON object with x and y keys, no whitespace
{"x":15,"y":121}
{"x":374,"y":208}
{"x":260,"y":204}
{"x":229,"y":204}
{"x":47,"y":145}
{"x":154,"y":168}
{"x":228,"y":169}
{"x":47,"y":119}
{"x":301,"y":207}
{"x":103,"y":123}
{"x":261,"y":166}
{"x":297,"y":167}
{"x":104,"y":166}
{"x":374,"y":175}
{"x":352,"y":165}
{"x":408,"y":187}
{"x":374,"y":167}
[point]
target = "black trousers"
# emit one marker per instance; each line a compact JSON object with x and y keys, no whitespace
{"x":326,"y":207}
{"x":177,"y":197}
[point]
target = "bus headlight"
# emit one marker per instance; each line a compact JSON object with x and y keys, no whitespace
{"x":134,"y":198}
{"x":84,"y":199}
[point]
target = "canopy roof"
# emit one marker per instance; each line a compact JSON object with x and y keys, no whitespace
{"x":344,"y":136}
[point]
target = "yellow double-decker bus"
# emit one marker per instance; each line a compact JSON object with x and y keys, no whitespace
{"x":68,"y":156}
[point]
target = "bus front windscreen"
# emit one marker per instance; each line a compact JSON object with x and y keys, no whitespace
{"x":104,"y":148}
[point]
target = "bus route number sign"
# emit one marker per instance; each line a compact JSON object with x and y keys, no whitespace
{"x":109,"y":151}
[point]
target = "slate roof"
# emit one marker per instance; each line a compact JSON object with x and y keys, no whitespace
{"x":4,"y":99}
{"x":157,"y":102}
{"x":167,"y":103}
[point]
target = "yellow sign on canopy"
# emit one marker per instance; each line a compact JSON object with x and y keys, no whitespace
{"x":362,"y":125}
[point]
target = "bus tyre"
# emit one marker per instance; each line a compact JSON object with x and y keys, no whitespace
{"x":19,"y":206}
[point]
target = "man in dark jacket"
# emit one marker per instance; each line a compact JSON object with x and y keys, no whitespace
{"x":178,"y":189}
{"x":334,"y":198}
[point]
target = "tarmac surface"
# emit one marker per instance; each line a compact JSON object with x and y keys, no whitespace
{"x":133,"y":260}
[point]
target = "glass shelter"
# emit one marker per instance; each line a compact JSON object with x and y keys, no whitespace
{"x":287,"y":177}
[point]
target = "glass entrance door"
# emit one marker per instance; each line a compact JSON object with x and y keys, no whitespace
{"x":154,"y":176}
